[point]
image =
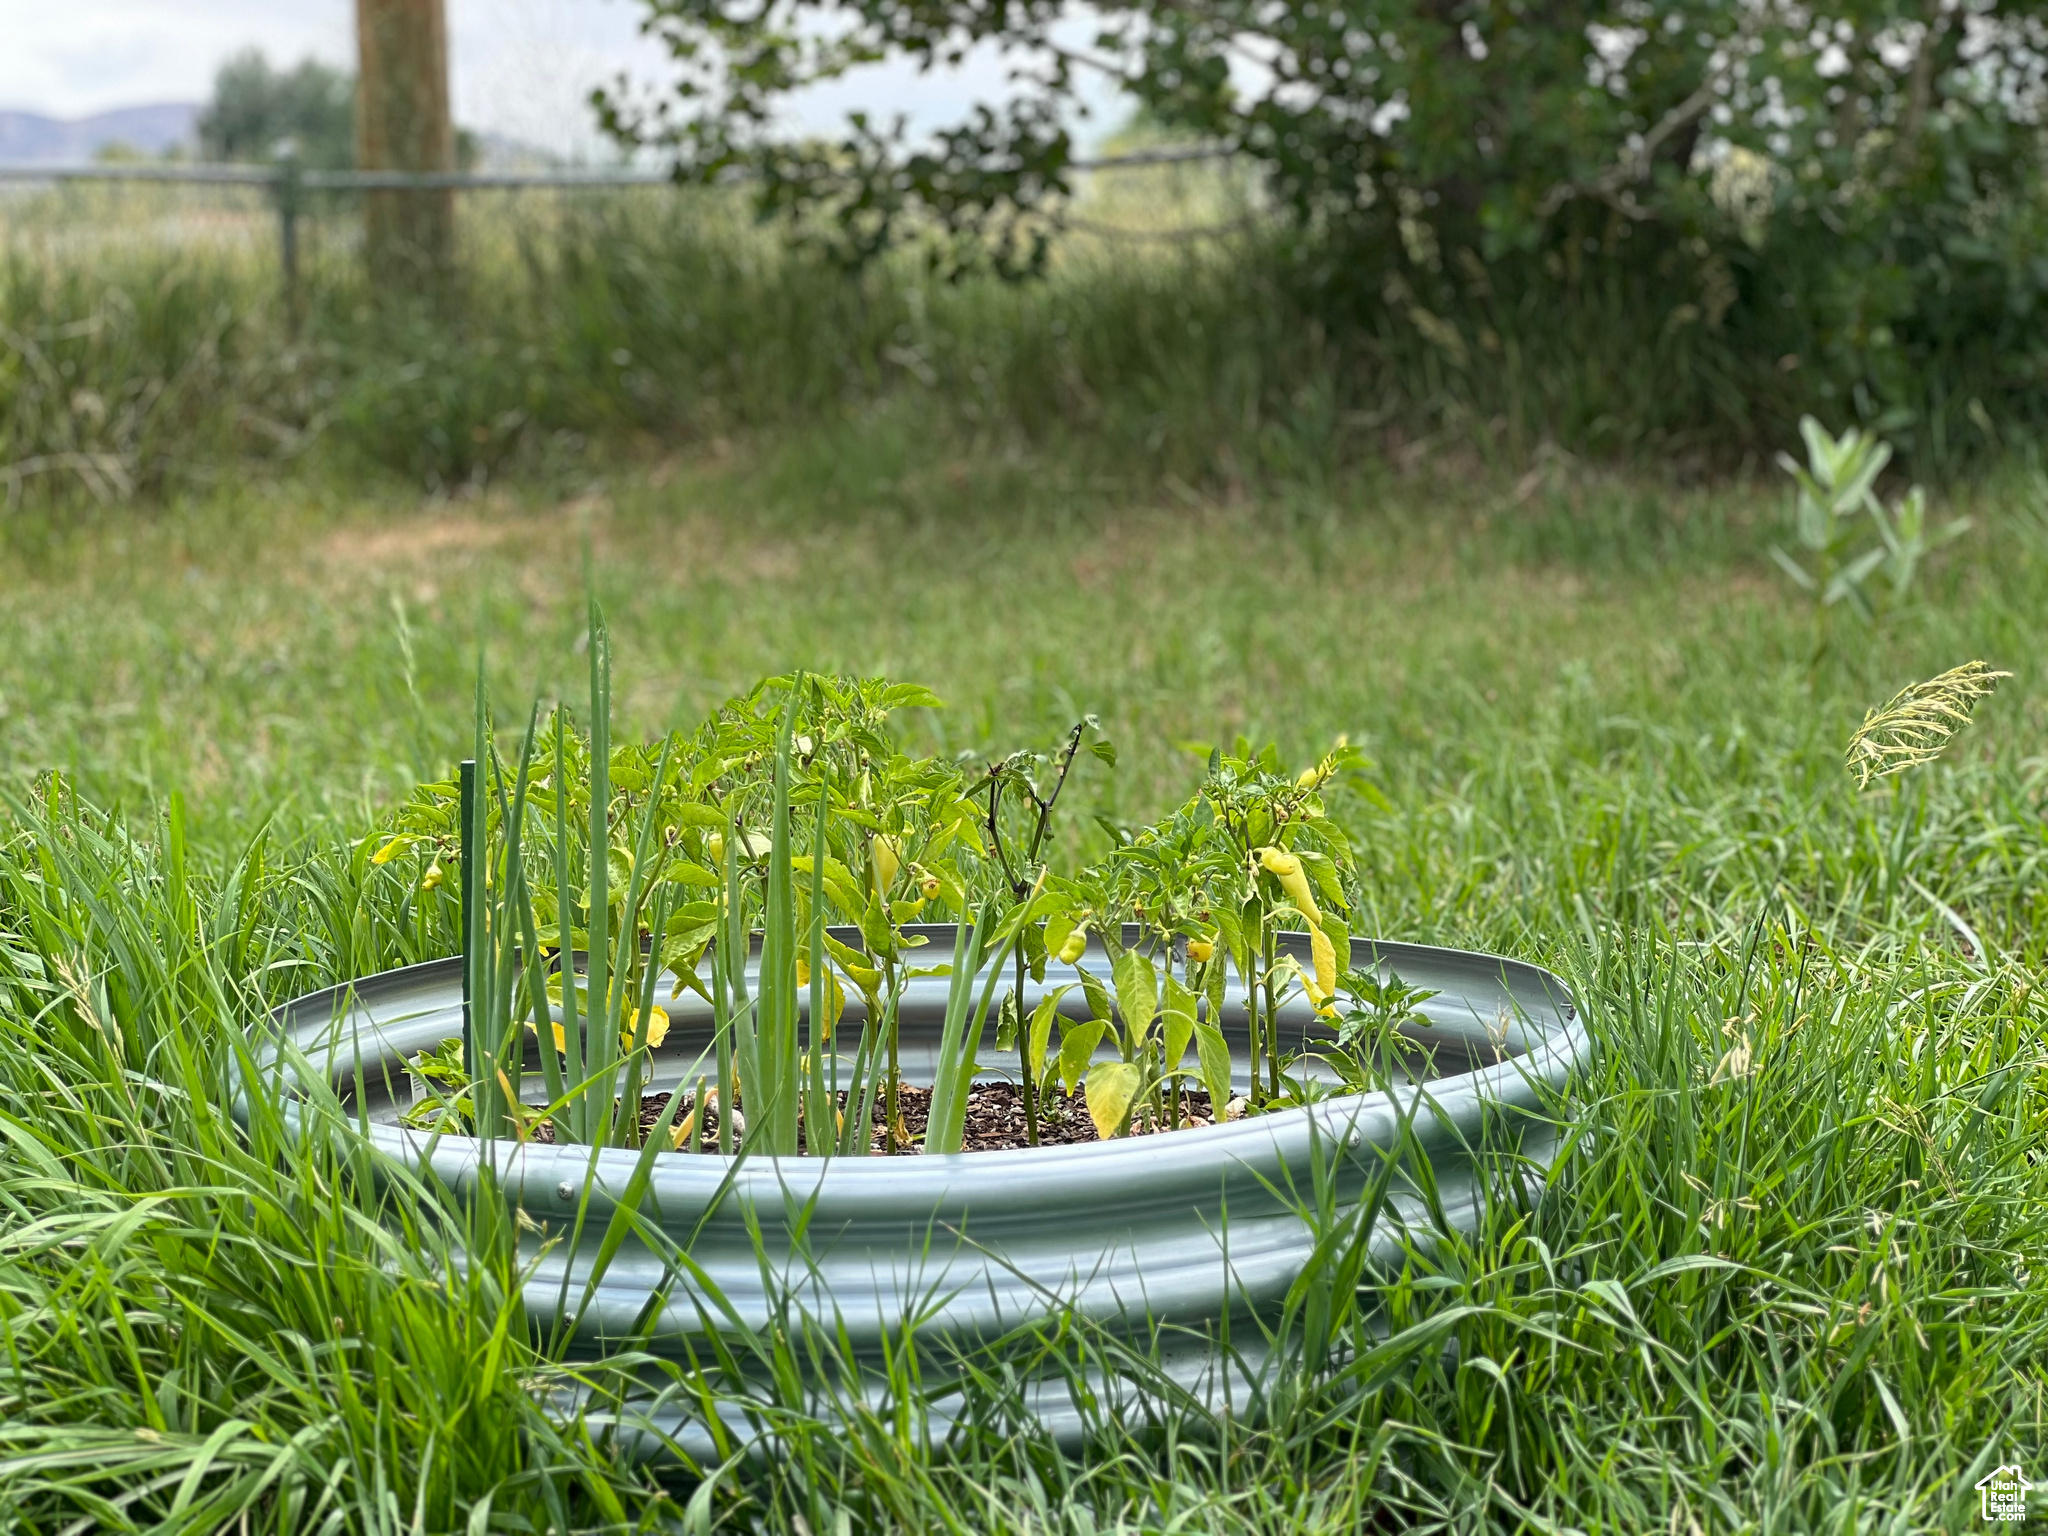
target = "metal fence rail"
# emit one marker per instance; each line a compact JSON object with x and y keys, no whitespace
{"x":287,"y":183}
{"x":286,"y":174}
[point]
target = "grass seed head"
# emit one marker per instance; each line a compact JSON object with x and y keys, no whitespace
{"x":1917,"y":723}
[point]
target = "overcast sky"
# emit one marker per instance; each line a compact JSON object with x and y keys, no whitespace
{"x":520,"y":67}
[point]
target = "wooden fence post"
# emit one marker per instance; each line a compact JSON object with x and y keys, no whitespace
{"x":403,"y":124}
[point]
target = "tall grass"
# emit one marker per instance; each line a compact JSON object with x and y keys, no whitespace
{"x":1785,"y":1274}
{"x":665,"y":318}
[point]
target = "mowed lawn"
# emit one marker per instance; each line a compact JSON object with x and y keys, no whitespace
{"x":1793,"y":1272}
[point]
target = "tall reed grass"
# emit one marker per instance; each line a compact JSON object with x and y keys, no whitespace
{"x":666,"y":318}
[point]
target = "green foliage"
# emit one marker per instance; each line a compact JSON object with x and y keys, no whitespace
{"x":1367,"y":1052}
{"x":258,"y":113}
{"x":1282,"y":359}
{"x":672,"y":871}
{"x":1857,"y":187}
{"x":1835,"y":512}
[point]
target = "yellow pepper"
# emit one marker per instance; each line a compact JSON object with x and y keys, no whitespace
{"x":1286,"y":868}
{"x":1076,"y":944}
{"x":1199,"y":950}
{"x":1322,"y":991}
{"x":432,"y":879}
{"x":714,"y":847}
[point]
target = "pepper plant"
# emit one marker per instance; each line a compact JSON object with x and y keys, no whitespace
{"x":784,"y":858}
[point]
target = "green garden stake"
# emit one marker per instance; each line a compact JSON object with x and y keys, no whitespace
{"x":467,"y":775}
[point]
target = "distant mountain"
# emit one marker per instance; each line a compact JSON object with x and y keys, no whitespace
{"x":29,"y":138}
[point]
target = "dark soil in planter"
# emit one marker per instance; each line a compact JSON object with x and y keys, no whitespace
{"x":995,"y":1119}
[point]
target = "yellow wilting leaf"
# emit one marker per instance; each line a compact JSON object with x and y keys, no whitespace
{"x":396,"y":844}
{"x":1286,"y":868}
{"x":657,"y":1029}
{"x":657,"y":1025}
{"x":1110,"y":1088}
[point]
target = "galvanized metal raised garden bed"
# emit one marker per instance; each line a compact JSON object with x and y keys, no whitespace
{"x":1184,"y":1232}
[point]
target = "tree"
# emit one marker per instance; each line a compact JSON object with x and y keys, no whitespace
{"x":256,"y":110}
{"x":1862,"y":176}
{"x":1497,"y":115}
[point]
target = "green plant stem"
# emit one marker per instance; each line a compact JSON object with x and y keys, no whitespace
{"x":1271,"y":958}
{"x":1024,"y":1059}
{"x":894,"y":1072}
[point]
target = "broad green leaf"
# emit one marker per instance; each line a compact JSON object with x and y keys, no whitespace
{"x":1097,"y":995}
{"x":1214,"y":976}
{"x":1229,"y":932}
{"x":834,"y":870}
{"x":848,"y":897}
{"x":1214,"y":1053}
{"x":855,"y":964}
{"x":1077,"y":1047}
{"x":1179,"y":1024}
{"x":875,"y":929}
{"x":1041,"y":1030}
{"x":1137,"y":994}
{"x":1111,"y":1087}
{"x":1032,"y":942}
{"x":693,"y":813}
{"x":909,"y":696}
{"x":1324,"y":873}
